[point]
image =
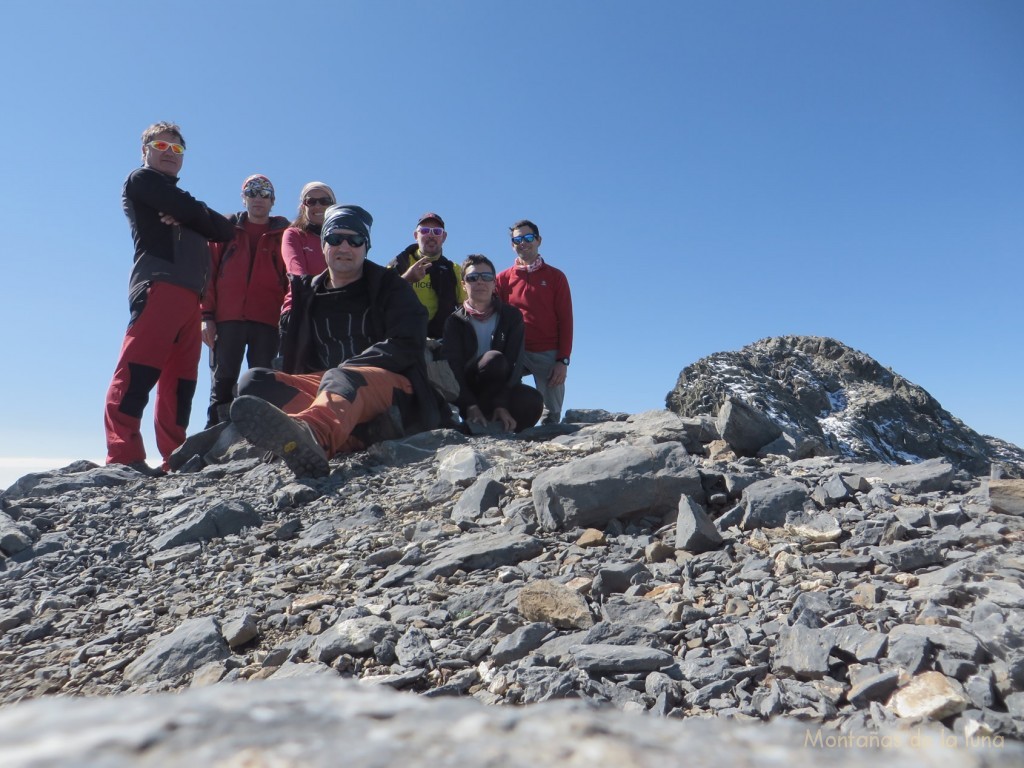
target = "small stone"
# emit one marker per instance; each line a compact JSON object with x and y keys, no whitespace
{"x":930,"y":695}
{"x":555,"y":604}
{"x":591,"y":538}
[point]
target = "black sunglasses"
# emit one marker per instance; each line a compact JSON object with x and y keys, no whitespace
{"x":264,"y":193}
{"x":520,"y":239}
{"x":487,"y":277}
{"x":337,"y":238}
{"x":309,"y":201}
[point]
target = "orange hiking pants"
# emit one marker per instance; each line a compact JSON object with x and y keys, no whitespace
{"x":333,"y":402}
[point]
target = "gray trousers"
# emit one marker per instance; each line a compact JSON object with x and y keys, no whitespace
{"x":540,"y":364}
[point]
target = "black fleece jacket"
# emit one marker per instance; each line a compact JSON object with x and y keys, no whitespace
{"x":459,"y":348}
{"x":398,"y":329}
{"x":169,"y":253}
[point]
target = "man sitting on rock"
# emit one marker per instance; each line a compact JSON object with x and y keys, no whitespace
{"x":353,"y":351}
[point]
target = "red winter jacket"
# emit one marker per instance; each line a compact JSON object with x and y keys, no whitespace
{"x":242,"y":288}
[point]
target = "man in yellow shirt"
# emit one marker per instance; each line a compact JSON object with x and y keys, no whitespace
{"x":435,"y":279}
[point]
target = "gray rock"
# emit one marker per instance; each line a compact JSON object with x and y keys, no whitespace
{"x":375,"y":545}
{"x":203,"y":524}
{"x":614,"y":483}
{"x":480,"y":551}
{"x":592,"y":416}
{"x":695,"y":532}
{"x":520,"y":642}
{"x":618,"y":577}
{"x":875,"y":688}
{"x":958,"y":642}
{"x":418,"y":447}
{"x":618,"y":659}
{"x":239,"y":628}
{"x":352,"y":636}
{"x":803,"y":652}
{"x":634,"y":612}
{"x":767,"y":502}
{"x":15,"y":617}
{"x":908,"y":556}
{"x":934,"y":474}
{"x":191,"y":645}
{"x":413,"y":649}
{"x":12,"y":538}
{"x":744,"y":427}
{"x":483,"y":494}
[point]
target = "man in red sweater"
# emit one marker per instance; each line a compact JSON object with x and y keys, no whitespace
{"x":541,"y":293}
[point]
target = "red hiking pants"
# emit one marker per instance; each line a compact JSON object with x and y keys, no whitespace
{"x":161,"y":348}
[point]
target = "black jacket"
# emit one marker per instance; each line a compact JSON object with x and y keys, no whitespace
{"x":178,"y":254}
{"x":398,"y":329}
{"x":442,"y":281}
{"x":459,"y":347}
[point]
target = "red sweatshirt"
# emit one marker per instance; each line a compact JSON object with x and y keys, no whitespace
{"x":543,"y":298}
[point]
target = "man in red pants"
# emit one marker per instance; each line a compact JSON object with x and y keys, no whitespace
{"x":353,"y":352}
{"x":161,"y":348}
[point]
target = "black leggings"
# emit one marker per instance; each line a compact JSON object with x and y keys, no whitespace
{"x":487,"y":376}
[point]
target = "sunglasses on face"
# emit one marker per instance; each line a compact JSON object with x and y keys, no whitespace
{"x":258,"y":193}
{"x":311,"y":201}
{"x":163,"y":146}
{"x":487,"y":277}
{"x":337,"y":238}
{"x":520,"y":239}
{"x":438,"y":231}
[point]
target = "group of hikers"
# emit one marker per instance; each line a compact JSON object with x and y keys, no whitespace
{"x":341,"y":351}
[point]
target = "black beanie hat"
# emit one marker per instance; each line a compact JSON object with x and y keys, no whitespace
{"x":343,"y":216}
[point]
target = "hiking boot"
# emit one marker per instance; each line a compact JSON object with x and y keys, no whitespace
{"x":143,"y":468}
{"x":196,"y":445}
{"x":270,"y":429}
{"x":385,"y":426}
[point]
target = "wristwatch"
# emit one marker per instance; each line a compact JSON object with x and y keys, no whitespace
{"x":563,"y":360}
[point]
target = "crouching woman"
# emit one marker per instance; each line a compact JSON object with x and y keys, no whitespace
{"x":484,"y":342}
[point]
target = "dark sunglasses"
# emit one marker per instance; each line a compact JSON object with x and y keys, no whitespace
{"x":520,"y":239}
{"x":487,"y":277}
{"x":311,"y":201}
{"x":438,"y":231}
{"x":264,"y":193}
{"x":337,"y":238}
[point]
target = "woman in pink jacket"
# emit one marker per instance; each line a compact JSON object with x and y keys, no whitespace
{"x":300,"y":245}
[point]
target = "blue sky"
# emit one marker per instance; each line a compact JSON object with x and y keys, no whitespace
{"x":706,"y":173}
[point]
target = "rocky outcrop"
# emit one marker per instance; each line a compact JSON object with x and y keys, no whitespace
{"x":828,"y":398}
{"x":600,"y":561}
{"x":642,"y":563}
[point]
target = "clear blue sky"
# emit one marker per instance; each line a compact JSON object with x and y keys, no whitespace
{"x":706,"y":173}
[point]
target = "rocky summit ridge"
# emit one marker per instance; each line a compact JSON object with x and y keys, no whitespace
{"x":660,"y":586}
{"x":825,"y":398}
